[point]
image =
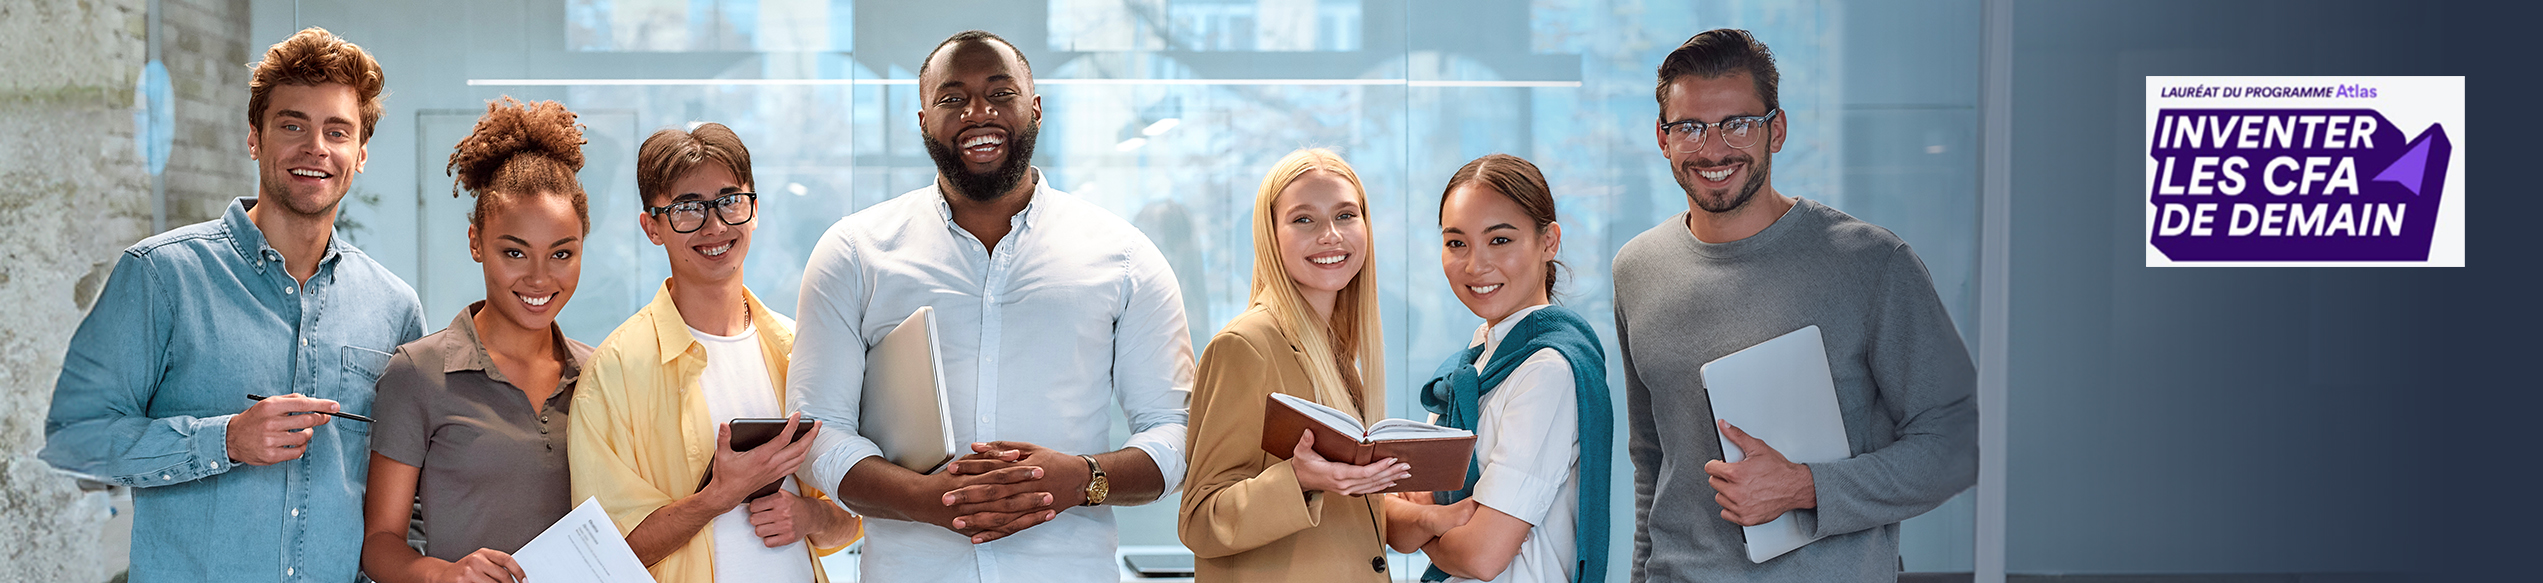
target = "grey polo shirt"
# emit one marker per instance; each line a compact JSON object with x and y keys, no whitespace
{"x":494,"y":470}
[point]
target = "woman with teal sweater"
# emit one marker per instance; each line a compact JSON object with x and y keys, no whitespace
{"x":1533,"y":388}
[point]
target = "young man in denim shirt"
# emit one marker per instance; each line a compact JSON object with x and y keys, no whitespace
{"x":154,"y":393}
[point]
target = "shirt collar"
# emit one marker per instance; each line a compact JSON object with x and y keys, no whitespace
{"x":250,"y":242}
{"x":1803,"y":209}
{"x":1032,"y":208}
{"x":465,"y":351}
{"x":671,"y":332}
{"x":1490,"y":336}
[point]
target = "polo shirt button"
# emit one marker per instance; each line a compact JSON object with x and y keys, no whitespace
{"x":288,"y":290}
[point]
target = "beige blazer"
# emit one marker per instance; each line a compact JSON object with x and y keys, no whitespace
{"x":1244,"y":516}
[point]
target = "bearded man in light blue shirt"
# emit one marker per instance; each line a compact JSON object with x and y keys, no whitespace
{"x":1050,"y":311}
{"x":154,"y":393}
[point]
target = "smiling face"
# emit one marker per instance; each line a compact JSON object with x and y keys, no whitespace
{"x":1491,"y":251}
{"x":1718,"y":178}
{"x":711,"y":255}
{"x":1323,"y":239}
{"x":980,"y":117}
{"x":308,"y":147}
{"x":532,"y":251}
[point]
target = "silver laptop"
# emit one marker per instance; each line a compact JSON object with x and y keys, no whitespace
{"x":904,"y":407}
{"x":1780,"y":392}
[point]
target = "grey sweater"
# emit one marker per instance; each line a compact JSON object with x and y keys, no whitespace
{"x":1904,"y":385}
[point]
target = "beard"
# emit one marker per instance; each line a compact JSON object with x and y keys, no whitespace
{"x":987,"y":186}
{"x":275,"y":191}
{"x":1758,"y":169}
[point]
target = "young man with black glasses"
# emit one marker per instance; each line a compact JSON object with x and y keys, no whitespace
{"x":658,"y":394}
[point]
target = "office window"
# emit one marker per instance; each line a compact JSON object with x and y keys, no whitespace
{"x":1167,"y":113}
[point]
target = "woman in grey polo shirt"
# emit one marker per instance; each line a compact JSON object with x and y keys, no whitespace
{"x":472,"y":418}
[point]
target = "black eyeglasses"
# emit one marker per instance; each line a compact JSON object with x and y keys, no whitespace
{"x":1687,"y":136}
{"x":689,"y":216}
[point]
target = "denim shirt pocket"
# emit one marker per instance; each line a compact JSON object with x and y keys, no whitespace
{"x":362,"y":369}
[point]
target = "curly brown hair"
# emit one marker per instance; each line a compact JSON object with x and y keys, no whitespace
{"x":520,"y":150}
{"x":316,"y":57}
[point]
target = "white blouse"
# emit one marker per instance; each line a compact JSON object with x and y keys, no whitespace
{"x":1528,"y":435}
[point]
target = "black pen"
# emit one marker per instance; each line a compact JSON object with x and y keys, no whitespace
{"x":257,"y":397}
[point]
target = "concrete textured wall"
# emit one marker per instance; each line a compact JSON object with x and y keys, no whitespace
{"x":73,"y":193}
{"x":206,"y":48}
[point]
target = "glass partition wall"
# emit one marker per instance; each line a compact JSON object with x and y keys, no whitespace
{"x":1167,"y":112}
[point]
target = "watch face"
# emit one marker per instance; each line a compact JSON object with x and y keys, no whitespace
{"x":1097,"y":485}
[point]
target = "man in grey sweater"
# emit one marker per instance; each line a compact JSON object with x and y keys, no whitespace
{"x":1746,"y":264}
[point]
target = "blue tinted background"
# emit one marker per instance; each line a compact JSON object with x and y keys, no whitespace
{"x":2281,"y":420}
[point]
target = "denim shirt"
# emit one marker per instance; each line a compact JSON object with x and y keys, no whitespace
{"x":191,"y":322}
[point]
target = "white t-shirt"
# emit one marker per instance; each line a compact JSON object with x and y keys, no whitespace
{"x":736,"y":385}
{"x":1529,"y":435}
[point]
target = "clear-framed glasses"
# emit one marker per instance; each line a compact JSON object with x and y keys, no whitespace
{"x":1687,"y":136}
{"x":689,"y":216}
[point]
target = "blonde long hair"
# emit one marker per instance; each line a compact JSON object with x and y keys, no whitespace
{"x":1346,"y":356}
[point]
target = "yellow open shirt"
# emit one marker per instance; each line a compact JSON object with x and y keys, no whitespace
{"x":641,"y":437}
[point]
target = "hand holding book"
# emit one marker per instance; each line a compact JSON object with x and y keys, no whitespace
{"x":1436,"y":456}
{"x":1317,"y":473}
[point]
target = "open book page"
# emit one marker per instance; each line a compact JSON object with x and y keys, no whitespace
{"x":1331,"y":417}
{"x":1383,"y":430}
{"x":1386,"y":429}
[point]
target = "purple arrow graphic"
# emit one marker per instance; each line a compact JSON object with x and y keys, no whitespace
{"x":2413,"y":165}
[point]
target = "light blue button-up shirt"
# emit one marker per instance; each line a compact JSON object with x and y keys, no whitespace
{"x":191,"y":322}
{"x":1073,"y":316}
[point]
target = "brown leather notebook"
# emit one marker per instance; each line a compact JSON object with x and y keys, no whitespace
{"x":1438,"y":454}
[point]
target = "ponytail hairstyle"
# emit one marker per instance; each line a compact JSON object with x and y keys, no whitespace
{"x":1513,"y":177}
{"x":520,"y":150}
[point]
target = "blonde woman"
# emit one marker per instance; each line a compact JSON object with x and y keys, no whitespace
{"x":1312,"y":331}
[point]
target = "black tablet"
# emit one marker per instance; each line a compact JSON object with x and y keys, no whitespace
{"x":752,"y":432}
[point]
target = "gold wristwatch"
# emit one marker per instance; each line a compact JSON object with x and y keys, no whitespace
{"x":1097,"y":486}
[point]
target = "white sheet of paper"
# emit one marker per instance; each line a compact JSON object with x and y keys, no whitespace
{"x":1780,"y":392}
{"x":583,"y":547}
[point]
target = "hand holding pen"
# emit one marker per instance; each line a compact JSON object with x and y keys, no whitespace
{"x":274,"y":430}
{"x":333,"y":410}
